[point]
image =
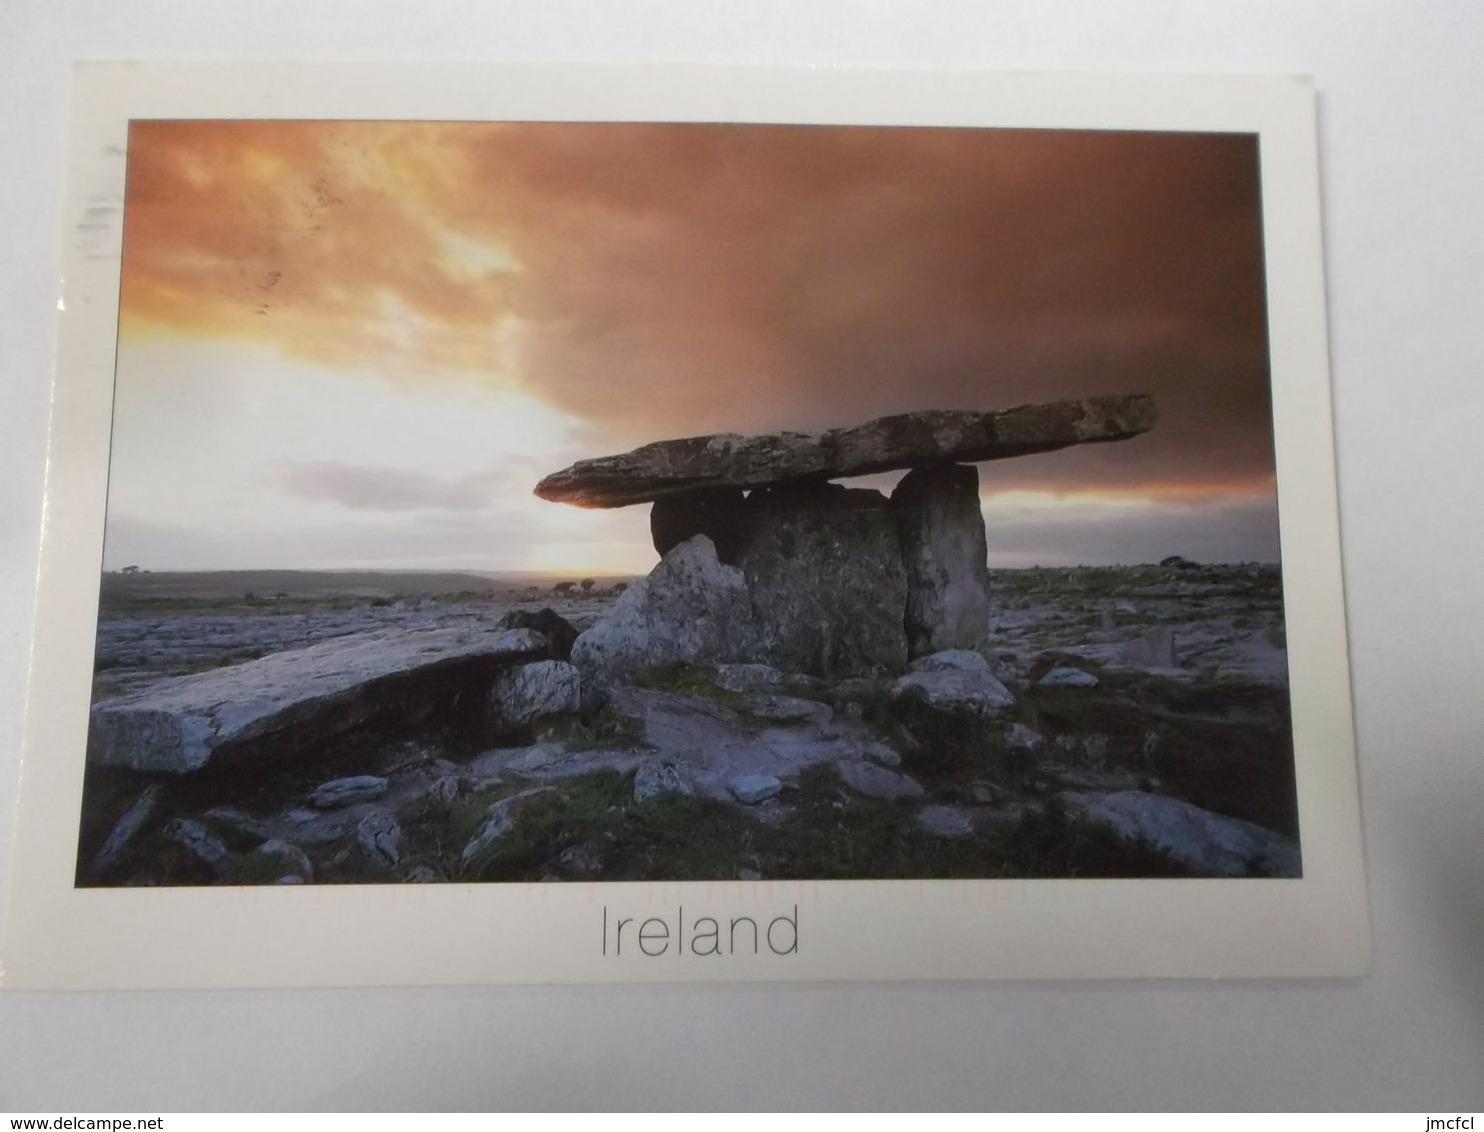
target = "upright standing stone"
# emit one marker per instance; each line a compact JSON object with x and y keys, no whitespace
{"x":824,"y":571}
{"x":690,"y":608}
{"x":945,"y":556}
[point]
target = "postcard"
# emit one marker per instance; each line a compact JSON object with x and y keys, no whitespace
{"x":572,"y":524}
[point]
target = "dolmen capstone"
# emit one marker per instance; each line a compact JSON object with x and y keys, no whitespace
{"x":765,"y":560}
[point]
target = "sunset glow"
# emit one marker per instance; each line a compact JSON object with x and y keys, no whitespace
{"x":361,"y":344}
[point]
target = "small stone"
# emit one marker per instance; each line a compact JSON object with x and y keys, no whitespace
{"x":659,"y":777}
{"x":289,"y":855}
{"x":877,"y":782}
{"x":501,"y":820}
{"x":750,"y":789}
{"x":1068,"y":678}
{"x":240,"y":830}
{"x":444,"y":788}
{"x":882,"y":753}
{"x":790,"y":709}
{"x":290,"y":878}
{"x":1019,"y":737}
{"x":749,"y":875}
{"x":421,"y":874}
{"x":348,"y":791}
{"x":946,"y":822}
{"x":125,"y":830}
{"x":983,"y":793}
{"x":379,"y":834}
{"x":200,"y":842}
{"x":957,"y":680}
{"x":583,"y":859}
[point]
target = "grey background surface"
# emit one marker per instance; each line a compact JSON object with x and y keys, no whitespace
{"x":1402,"y":150}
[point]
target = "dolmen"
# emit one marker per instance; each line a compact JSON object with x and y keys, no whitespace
{"x":765,"y":560}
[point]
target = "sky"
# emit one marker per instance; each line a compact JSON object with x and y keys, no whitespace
{"x":352,"y":344}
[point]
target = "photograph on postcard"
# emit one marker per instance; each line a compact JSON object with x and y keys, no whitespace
{"x":571,"y":501}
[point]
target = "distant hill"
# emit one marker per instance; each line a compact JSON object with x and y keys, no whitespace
{"x":219,"y":585}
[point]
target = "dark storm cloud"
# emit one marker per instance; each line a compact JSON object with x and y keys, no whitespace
{"x":673,"y":280}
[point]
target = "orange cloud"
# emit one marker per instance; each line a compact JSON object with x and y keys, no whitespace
{"x":668,"y":280}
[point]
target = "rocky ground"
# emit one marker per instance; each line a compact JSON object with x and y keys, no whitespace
{"x":1121,"y":722}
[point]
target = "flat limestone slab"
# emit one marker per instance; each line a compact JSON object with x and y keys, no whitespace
{"x":700,"y":463}
{"x":286,"y":703}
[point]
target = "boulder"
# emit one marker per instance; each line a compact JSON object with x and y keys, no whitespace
{"x":946,"y":558}
{"x":1209,"y":844}
{"x":535,"y":691}
{"x":199,"y":842}
{"x":719,"y":513}
{"x":704,"y":463}
{"x":691,"y":607}
{"x":658,"y":777}
{"x":239,"y":829}
{"x":750,"y":789}
{"x":583,"y":860}
{"x":877,"y":782}
{"x":789,"y":709}
{"x":956,"y":680}
{"x":290,"y":703}
{"x":125,"y":830}
{"x":1019,"y":737}
{"x":1068,"y":678}
{"x":348,"y":791}
{"x":499,"y":820}
{"x":288,"y":857}
{"x":824,"y":574}
{"x":557,"y":630}
{"x":380,"y":836}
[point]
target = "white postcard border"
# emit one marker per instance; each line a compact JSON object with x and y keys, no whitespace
{"x":59,"y":936}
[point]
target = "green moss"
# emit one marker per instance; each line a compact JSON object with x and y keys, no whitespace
{"x":672,"y":837}
{"x":603,"y":729}
{"x":257,"y":868}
